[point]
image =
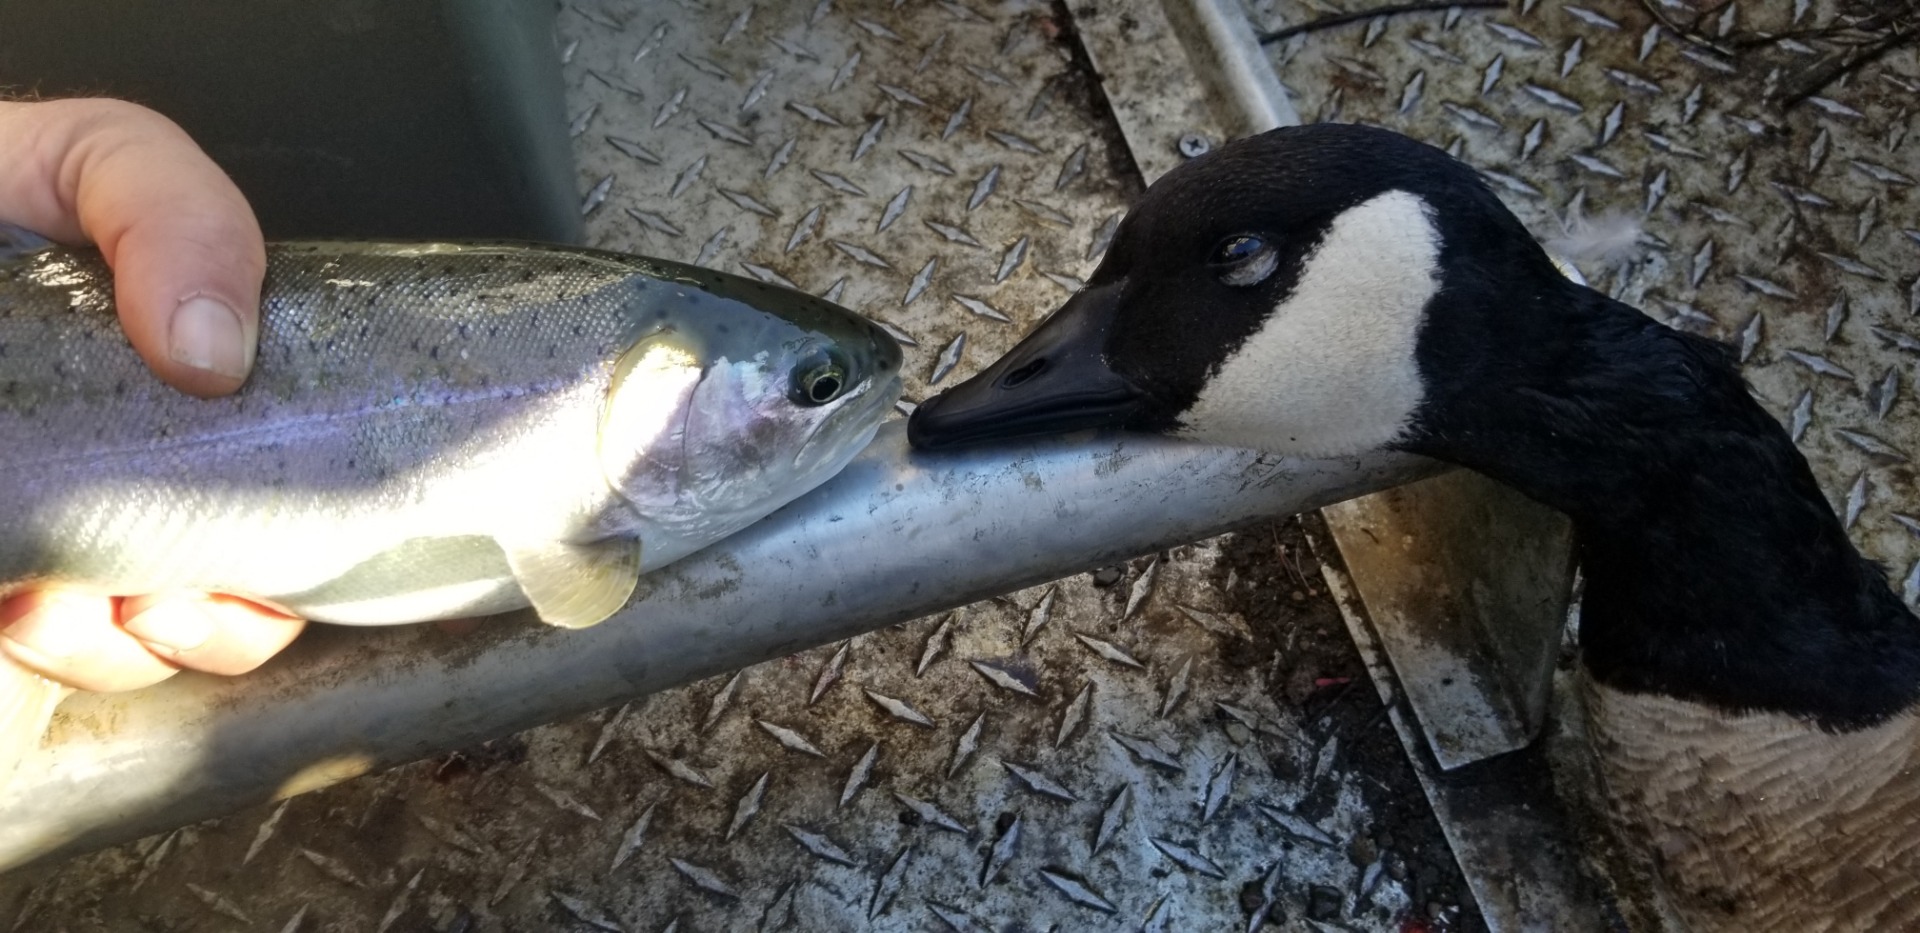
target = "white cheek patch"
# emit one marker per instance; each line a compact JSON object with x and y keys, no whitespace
{"x":1332,"y":371}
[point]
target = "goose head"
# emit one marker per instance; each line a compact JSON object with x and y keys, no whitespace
{"x":1272,"y":294}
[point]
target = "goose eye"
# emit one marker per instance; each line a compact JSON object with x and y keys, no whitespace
{"x":1243,"y":260}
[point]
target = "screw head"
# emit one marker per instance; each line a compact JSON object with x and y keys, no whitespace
{"x":1194,"y":145}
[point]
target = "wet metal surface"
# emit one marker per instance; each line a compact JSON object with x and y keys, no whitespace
{"x":1182,"y":76}
{"x":1104,"y":752}
{"x":1790,"y":232}
{"x":1467,"y":580}
{"x":1093,"y":760}
{"x":1515,"y":839}
{"x":1466,"y":585}
{"x":1455,"y":590}
{"x":856,"y":555}
{"x":1774,"y":216}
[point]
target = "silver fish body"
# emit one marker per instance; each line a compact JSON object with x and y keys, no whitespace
{"x":430,"y":431}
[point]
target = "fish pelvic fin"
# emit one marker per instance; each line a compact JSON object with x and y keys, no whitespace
{"x":26,"y":708}
{"x":576,"y":585}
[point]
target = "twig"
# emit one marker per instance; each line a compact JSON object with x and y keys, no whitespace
{"x":1341,"y":19}
{"x":1879,"y":27}
{"x":1839,"y":32}
{"x":1816,"y":77}
{"x":1806,"y":82}
{"x":1687,"y":34}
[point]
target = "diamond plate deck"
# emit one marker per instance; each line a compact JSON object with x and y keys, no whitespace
{"x":1466,"y":580}
{"x":1786,"y":226}
{"x":1086,"y":755}
{"x":1104,"y":752}
{"x":1788,"y":232}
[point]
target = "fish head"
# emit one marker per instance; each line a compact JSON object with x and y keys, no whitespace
{"x":741,"y":399}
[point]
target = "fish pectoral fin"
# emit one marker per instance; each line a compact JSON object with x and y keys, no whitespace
{"x":26,"y":708}
{"x":576,"y":585}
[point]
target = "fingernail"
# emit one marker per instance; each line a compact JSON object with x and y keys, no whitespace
{"x":172,"y":626}
{"x":32,"y":659}
{"x":206,"y":334}
{"x":41,"y":633}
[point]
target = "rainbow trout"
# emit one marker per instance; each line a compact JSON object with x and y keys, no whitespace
{"x":431,"y":431}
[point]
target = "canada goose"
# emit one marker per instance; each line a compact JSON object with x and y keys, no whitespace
{"x":1751,"y":680}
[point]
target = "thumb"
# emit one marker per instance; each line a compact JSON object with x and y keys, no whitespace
{"x":185,"y":249}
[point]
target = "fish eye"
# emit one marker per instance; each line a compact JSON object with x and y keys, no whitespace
{"x":820,"y":380}
{"x":1244,"y":259}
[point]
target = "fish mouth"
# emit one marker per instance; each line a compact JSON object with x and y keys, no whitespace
{"x":693,"y":518}
{"x":854,"y":424}
{"x":1057,"y":379}
{"x":857,"y":415}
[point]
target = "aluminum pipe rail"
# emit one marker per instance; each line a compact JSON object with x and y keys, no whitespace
{"x":897,"y":535}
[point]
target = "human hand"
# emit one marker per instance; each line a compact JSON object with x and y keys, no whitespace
{"x":187,"y":258}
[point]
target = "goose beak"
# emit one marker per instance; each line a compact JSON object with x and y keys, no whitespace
{"x":1056,"y":380}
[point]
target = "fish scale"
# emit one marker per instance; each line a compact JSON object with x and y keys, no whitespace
{"x":346,"y":398}
{"x":399,"y":389}
{"x":708,"y":730}
{"x":430,"y":431}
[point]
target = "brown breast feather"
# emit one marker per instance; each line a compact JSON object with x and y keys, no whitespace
{"x":1762,"y":821}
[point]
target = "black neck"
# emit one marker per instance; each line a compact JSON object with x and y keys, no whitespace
{"x":1716,"y":570}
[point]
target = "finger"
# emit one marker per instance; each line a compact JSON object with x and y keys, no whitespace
{"x":213,"y":633}
{"x":185,"y":249}
{"x":72,"y":638}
